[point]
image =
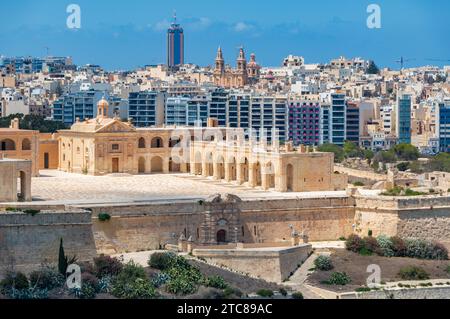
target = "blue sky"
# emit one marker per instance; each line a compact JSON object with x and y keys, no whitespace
{"x":121,"y":34}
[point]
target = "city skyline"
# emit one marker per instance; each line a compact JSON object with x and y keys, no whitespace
{"x":120,"y":37}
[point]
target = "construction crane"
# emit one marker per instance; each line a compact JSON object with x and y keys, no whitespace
{"x":402,"y":62}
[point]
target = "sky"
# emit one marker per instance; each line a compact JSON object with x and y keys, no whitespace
{"x":121,"y":35}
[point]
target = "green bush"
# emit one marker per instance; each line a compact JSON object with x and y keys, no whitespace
{"x":283,"y":292}
{"x":216,"y":282}
{"x":447,"y":269}
{"x":418,"y":248}
{"x":107,"y":266}
{"x":265,"y":293}
{"x":354,"y":243}
{"x":104,"y":217}
{"x":14,"y":280}
{"x":297,"y":295}
{"x":46,"y":278}
{"x":413,"y":273}
{"x":232,"y":293}
{"x":161,"y":261}
{"x":439,"y":251}
{"x":323,"y":263}
{"x":32,"y":212}
{"x":358,"y":184}
{"x":184,"y":278}
{"x":138,"y":288}
{"x":386,"y":246}
{"x":371,"y":245}
{"x":338,"y":279}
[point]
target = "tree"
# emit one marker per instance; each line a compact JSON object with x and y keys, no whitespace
{"x":351,"y":150}
{"x":332,"y":148}
{"x":62,"y":260}
{"x":373,"y":68}
{"x":33,"y":122}
{"x":406,"y":152}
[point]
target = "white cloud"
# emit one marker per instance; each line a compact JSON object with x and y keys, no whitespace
{"x":242,"y":26}
{"x":161,"y":25}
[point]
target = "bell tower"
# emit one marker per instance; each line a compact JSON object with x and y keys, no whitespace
{"x":102,"y":108}
{"x":220,"y":62}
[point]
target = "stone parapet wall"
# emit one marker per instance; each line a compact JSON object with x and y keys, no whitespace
{"x":270,"y":264}
{"x":27,"y":242}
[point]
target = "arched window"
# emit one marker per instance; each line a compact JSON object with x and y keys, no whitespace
{"x":7,"y":145}
{"x":26,"y":145}
{"x":141,"y":142}
{"x":157,"y":142}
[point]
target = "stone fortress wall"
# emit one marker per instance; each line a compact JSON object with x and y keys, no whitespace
{"x":28,"y":241}
{"x":151,"y":226}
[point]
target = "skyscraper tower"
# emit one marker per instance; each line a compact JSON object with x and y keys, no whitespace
{"x":175,"y":44}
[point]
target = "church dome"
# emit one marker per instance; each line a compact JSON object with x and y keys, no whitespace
{"x":103,"y":103}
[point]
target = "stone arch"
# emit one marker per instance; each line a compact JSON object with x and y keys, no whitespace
{"x":198,"y":163}
{"x":157,"y":142}
{"x":141,"y":165}
{"x":209,"y":161}
{"x":7,"y":145}
{"x":258,"y":174}
{"x":142,"y":143}
{"x":174,"y":164}
{"x":26,"y":144}
{"x":232,"y":168}
{"x":221,"y":236}
{"x":157,"y":164}
{"x":270,"y":174}
{"x":244,"y":169}
{"x":220,"y":162}
{"x":290,"y":177}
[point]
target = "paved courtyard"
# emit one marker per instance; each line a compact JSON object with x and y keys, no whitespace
{"x":61,"y":187}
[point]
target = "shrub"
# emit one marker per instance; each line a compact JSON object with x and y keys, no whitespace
{"x":283,"y":292}
{"x":398,"y":246}
{"x":354,"y":243}
{"x":87,"y":267}
{"x":107,"y":266}
{"x":89,"y":287}
{"x":418,"y":248}
{"x":138,"y":288}
{"x":184,"y":278}
{"x":338,"y":279}
{"x":386,"y":246}
{"x":46,"y":278}
{"x":233,"y":293}
{"x":161,"y":261}
{"x":105,"y":284}
{"x":297,"y":295}
{"x":439,"y":252}
{"x":447,"y":270}
{"x":323,"y":263}
{"x":14,"y":281}
{"x":104,"y":217}
{"x":160,"y":280}
{"x":265,"y":293}
{"x":413,"y":273}
{"x":358,"y":184}
{"x":371,"y":245}
{"x":32,"y":212}
{"x":216,"y":282}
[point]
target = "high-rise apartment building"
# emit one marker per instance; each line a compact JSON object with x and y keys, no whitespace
{"x":402,"y":113}
{"x":353,"y":123}
{"x":304,"y":122}
{"x":269,"y":113}
{"x":175,"y":45}
{"x":146,"y":108}
{"x":187,"y":111}
{"x":338,"y":119}
{"x":443,"y":127}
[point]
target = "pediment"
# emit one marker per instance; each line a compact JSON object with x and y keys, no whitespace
{"x":116,"y":126}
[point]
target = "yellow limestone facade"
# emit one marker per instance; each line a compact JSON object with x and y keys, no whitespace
{"x":105,"y":145}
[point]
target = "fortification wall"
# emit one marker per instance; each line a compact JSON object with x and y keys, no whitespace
{"x":27,"y":241}
{"x":426,"y":217}
{"x":153,"y":225}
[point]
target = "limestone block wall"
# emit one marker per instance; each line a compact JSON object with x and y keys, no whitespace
{"x":426,"y":217}
{"x":355,"y":175}
{"x":153,"y":225}
{"x":26,"y":241}
{"x":270,"y":264}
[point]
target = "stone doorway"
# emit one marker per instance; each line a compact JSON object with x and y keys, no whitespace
{"x":221,"y":236}
{"x":115,"y":165}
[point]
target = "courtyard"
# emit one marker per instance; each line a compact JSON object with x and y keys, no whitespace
{"x":59,"y":187}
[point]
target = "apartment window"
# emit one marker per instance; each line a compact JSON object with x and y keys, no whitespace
{"x":115,"y":147}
